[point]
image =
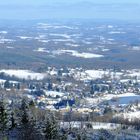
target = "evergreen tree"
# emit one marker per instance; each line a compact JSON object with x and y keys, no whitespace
{"x":13,"y":124}
{"x":24,"y":109}
{"x":7,"y":84}
{"x":18,"y":86}
{"x":3,"y":117}
{"x":50,"y":86}
{"x":27,"y":129}
{"x":51,"y":129}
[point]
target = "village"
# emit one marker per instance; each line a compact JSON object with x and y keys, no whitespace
{"x":78,"y":90}
{"x":107,"y":97}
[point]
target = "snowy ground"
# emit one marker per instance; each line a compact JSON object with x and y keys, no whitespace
{"x":25,"y":37}
{"x":3,"y":40}
{"x":95,"y":74}
{"x":54,"y":93}
{"x":134,"y":73}
{"x":130,"y":115}
{"x":77,"y":54}
{"x":24,"y":74}
{"x":78,"y":124}
{"x":42,"y":50}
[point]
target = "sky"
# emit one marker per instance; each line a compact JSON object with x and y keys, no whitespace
{"x":58,"y":9}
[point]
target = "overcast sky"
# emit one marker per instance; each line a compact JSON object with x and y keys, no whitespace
{"x":96,"y":9}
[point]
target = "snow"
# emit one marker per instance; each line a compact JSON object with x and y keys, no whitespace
{"x":134,"y":73}
{"x":24,"y":74}
{"x":30,"y":97}
{"x":54,"y":93}
{"x":72,"y":45}
{"x":87,"y":55}
{"x":84,"y":110}
{"x":61,"y":35}
{"x":124,"y":80}
{"x":43,"y":41}
{"x":42,"y":36}
{"x":6,"y":40}
{"x":104,"y":125}
{"x":3,"y":32}
{"x":53,"y":72}
{"x":94,"y":74}
{"x":50,"y":107}
{"x":110,"y":26}
{"x":52,"y":101}
{"x":41,"y":50}
{"x":8,"y":47}
{"x":2,"y":81}
{"x":97,"y":125}
{"x":135,"y":48}
{"x":63,"y":40}
{"x":110,"y":39}
{"x":105,"y":50}
{"x":131,"y":115}
{"x":116,"y":32}
{"x":24,"y":37}
{"x":46,"y":26}
{"x":77,"y":54}
{"x":87,"y":42}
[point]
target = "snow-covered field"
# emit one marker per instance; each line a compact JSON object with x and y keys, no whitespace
{"x":64,"y":40}
{"x":43,"y":41}
{"x":72,"y":45}
{"x":94,"y":74}
{"x":46,"y":26}
{"x":134,"y":72}
{"x":130,"y":115}
{"x":54,"y":93}
{"x":117,"y":32}
{"x":3,"y":32}
{"x":77,"y":54}
{"x":60,"y":35}
{"x":78,"y":124}
{"x":6,"y":40}
{"x":135,"y":48}
{"x":9,"y":47}
{"x":24,"y":74}
{"x":25,"y":37}
{"x":41,"y":50}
